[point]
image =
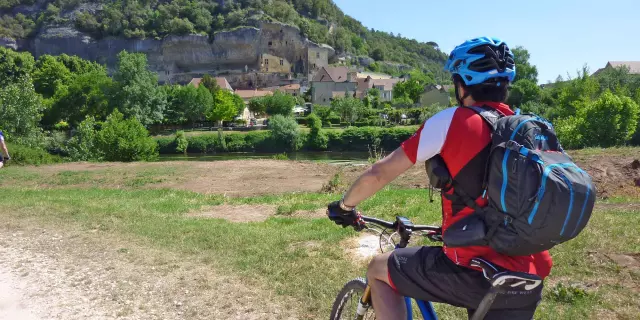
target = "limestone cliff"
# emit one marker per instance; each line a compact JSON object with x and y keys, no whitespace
{"x":236,"y":53}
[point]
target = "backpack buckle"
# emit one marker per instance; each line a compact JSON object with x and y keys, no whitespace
{"x":512,"y":145}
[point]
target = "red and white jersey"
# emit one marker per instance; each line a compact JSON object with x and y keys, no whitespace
{"x":462,"y":138}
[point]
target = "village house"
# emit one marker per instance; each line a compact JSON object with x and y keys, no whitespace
{"x":384,"y":85}
{"x":634,"y":66}
{"x":246,"y":96}
{"x":333,"y":82}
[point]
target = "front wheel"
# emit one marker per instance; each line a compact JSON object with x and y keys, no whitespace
{"x":346,"y":304}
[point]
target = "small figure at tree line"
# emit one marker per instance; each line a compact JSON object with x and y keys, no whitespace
{"x":4,"y":149}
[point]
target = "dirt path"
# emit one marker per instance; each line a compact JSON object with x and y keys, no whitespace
{"x":78,"y":275}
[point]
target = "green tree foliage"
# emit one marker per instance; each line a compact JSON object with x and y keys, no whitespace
{"x":317,"y":138}
{"x":20,"y":112}
{"x":378,"y":54}
{"x":522,"y":92}
{"x":412,"y":88}
{"x":86,"y":95}
{"x":83,"y":145}
{"x":609,"y":121}
{"x":350,"y":109}
{"x":136,"y":91}
{"x":122,"y":139}
{"x":285,"y":131}
{"x":524,"y":69}
{"x":181,"y":142}
{"x":258,"y":106}
{"x":16,"y":27}
{"x":210,"y":83}
{"x":14,"y":66}
{"x":50,"y":75}
{"x":187,"y":104}
{"x":279,"y":103}
{"x":223,"y":107}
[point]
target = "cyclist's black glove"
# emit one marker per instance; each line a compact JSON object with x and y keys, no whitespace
{"x":345,"y":218}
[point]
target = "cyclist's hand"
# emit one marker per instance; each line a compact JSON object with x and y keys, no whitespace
{"x":345,"y":218}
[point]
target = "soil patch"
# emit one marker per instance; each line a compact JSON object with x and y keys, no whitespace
{"x":89,"y":275}
{"x":237,"y":213}
{"x":614,"y":175}
{"x":235,"y":178}
{"x":625,"y":260}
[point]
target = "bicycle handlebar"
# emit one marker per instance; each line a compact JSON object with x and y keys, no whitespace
{"x":394,"y":225}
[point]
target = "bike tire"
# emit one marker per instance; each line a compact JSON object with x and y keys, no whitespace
{"x":350,"y":296}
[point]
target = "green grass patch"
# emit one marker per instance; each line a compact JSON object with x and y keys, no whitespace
{"x":584,"y":283}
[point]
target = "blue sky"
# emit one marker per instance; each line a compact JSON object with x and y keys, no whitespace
{"x":561,"y":35}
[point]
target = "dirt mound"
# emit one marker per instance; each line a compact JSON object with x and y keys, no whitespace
{"x":613,"y":175}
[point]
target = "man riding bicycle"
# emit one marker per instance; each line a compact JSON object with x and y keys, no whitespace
{"x":4,"y":149}
{"x":482,"y":69}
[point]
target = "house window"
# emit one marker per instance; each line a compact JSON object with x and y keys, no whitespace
{"x":314,"y":65}
{"x":317,"y":55}
{"x":270,"y":43}
{"x":266,"y":61}
{"x":267,"y":69}
{"x":286,"y":43}
{"x":281,"y":62}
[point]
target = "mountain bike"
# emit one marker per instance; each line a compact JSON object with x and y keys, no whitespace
{"x":357,"y":293}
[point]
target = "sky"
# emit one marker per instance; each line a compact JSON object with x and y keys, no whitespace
{"x":560,"y":35}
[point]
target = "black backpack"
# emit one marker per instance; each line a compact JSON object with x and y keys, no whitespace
{"x":538,"y":197}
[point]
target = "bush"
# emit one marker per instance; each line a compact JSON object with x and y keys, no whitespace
{"x":204,"y":143}
{"x":285,"y":131}
{"x":317,"y":139}
{"x":235,"y":142}
{"x":125,"y":140}
{"x":181,"y":142}
{"x":280,"y":156}
{"x":302,"y":120}
{"x":167,"y":145}
{"x":23,"y":155}
{"x":334,"y":119}
{"x":82,"y":146}
{"x":345,"y":124}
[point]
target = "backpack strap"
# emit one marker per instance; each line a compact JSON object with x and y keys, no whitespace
{"x":490,"y":115}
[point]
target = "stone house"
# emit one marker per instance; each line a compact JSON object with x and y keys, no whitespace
{"x":246,"y":96}
{"x":331,"y":82}
{"x":384,"y":85}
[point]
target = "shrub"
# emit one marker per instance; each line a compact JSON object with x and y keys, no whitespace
{"x":204,"y":143}
{"x":285,"y":131}
{"x":62,"y":125}
{"x":167,"y":145}
{"x":280,"y":156}
{"x":23,"y":155}
{"x":317,"y":139}
{"x":345,"y":124}
{"x":235,"y":142}
{"x":125,"y":140}
{"x":260,"y":141}
{"x":181,"y":142}
{"x":334,"y":119}
{"x":301,"y":120}
{"x":83,"y":146}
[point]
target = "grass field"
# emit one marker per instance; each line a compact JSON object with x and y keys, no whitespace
{"x":303,"y":257}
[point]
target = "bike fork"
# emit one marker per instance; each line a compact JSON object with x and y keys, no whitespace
{"x":364,"y":303}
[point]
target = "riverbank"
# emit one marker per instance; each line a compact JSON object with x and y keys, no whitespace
{"x":363,"y":139}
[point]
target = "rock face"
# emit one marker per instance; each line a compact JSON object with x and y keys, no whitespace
{"x":235,"y":53}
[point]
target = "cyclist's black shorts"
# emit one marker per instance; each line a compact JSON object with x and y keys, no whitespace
{"x":426,"y":273}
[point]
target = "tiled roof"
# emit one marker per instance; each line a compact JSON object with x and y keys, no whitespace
{"x":634,"y":66}
{"x":249,"y":94}
{"x":332,"y":74}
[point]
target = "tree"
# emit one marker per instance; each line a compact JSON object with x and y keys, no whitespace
{"x":285,"y":131}
{"x":523,"y":91}
{"x":187,"y":104}
{"x":14,"y":66}
{"x":136,"y":91}
{"x":86,"y":95}
{"x":350,"y":109}
{"x":524,"y":69}
{"x":210,"y":83}
{"x":239,"y":103}
{"x":20,"y":111}
{"x":378,"y":54}
{"x":223,"y":107}
{"x":49,"y":75}
{"x":279,"y":103}
{"x":258,"y":106}
{"x":83,"y":146}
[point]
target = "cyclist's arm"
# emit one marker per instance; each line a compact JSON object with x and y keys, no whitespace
{"x":376,"y":177}
{"x":424,"y":144}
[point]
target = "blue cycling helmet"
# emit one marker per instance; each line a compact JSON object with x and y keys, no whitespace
{"x":482,"y":60}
